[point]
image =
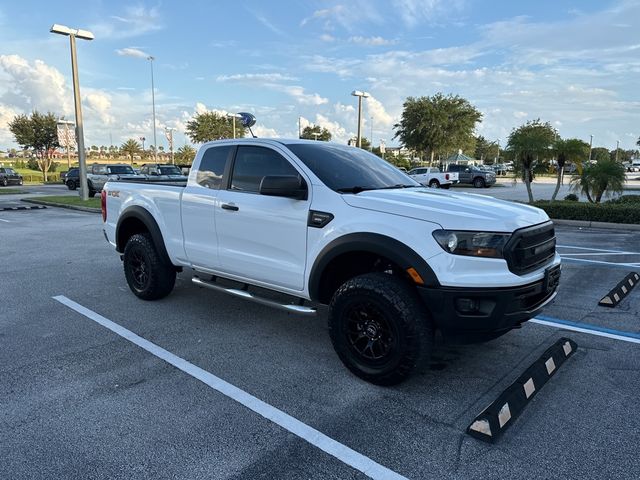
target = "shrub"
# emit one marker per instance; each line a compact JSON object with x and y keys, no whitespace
{"x":626,"y":199}
{"x":572,"y":197}
{"x":628,"y":212}
{"x":32,"y":164}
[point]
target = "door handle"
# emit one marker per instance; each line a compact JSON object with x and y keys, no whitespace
{"x":230,"y":206}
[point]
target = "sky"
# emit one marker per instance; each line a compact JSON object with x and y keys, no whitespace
{"x":573,"y":63}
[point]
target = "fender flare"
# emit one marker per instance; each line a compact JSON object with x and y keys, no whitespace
{"x":396,"y":251}
{"x":143,"y":215}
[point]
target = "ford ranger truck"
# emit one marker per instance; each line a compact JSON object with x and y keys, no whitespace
{"x":322,"y":223}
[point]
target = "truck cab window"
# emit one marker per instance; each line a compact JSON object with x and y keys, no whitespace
{"x":211,"y":169}
{"x":254,"y":163}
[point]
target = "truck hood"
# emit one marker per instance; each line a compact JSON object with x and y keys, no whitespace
{"x":461,"y":211}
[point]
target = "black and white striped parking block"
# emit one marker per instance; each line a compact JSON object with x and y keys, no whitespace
{"x":32,"y":207}
{"x":615,"y":296}
{"x":497,"y":417}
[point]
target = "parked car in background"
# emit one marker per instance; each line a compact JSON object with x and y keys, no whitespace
{"x":469,"y":174}
{"x":633,"y":165}
{"x":433,"y":178}
{"x":161,"y":171}
{"x":8,"y":176}
{"x":72,"y":178}
{"x":98,"y":175}
{"x":500,"y":169}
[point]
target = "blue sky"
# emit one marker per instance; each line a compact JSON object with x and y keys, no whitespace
{"x":574,"y":63}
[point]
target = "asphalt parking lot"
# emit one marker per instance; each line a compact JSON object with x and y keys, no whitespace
{"x":77,"y":400}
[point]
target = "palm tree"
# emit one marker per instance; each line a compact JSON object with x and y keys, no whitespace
{"x":571,"y":150}
{"x":186,"y":154}
{"x":131,"y":148}
{"x":529,"y":142}
{"x":605,"y":176}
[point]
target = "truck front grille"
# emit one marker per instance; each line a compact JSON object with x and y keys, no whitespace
{"x":530,"y":248}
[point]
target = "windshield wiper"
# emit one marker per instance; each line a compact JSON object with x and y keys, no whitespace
{"x":356,"y":189}
{"x":399,"y":185}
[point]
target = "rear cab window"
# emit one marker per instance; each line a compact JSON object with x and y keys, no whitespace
{"x":212,"y":165}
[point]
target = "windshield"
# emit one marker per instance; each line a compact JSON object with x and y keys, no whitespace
{"x":169,"y":170}
{"x":350,"y":168}
{"x":10,"y":171}
{"x":121,"y":170}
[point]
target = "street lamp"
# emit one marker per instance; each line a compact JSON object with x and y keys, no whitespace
{"x":617,"y":148}
{"x":590,"y":146}
{"x":84,"y":35}
{"x":153,"y":106}
{"x":360,"y":95}
{"x":234,"y":116}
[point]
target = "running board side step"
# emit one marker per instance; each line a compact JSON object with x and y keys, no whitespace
{"x":245,"y":294}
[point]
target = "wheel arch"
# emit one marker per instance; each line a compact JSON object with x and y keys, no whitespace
{"x":363,"y":246}
{"x":135,"y":220}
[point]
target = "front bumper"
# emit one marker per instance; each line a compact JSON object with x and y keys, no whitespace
{"x":470,"y":315}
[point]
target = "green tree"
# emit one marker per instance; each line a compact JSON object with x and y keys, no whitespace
{"x":131,"y":148}
{"x":436,"y":124}
{"x":621,"y":155}
{"x":313,"y":132}
{"x":528,"y":143}
{"x":486,"y":150}
{"x":600,"y":153}
{"x":208,"y":126}
{"x":40,"y":132}
{"x":571,"y":150}
{"x":185,"y":155}
{"x":606,"y":176}
{"x":365,"y":144}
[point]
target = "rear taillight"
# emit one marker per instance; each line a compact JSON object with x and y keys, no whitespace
{"x":103,"y":205}
{"x":446,"y":176}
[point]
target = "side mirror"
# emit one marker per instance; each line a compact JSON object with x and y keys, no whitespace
{"x":290,"y":186}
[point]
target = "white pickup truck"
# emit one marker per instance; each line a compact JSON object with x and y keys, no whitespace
{"x":336,"y":225}
{"x":432,"y":177}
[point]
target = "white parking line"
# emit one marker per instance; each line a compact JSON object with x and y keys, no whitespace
{"x":3,"y":220}
{"x":597,"y":249}
{"x":600,"y":262}
{"x":602,"y":254}
{"x":314,"y":437}
{"x":590,"y":329}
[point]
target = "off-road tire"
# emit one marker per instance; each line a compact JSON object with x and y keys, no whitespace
{"x":478,"y":182}
{"x":5,"y":182}
{"x":159,"y":274}
{"x":388,"y":300}
{"x":434,"y":184}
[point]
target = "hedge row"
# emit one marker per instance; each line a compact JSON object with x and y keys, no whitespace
{"x":605,"y":212}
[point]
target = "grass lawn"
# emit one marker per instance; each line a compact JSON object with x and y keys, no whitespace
{"x":67,"y":200}
{"x":9,"y":191}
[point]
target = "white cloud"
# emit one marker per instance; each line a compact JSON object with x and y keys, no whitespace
{"x":325,"y":37}
{"x":136,"y":21}
{"x":132,"y":52}
{"x":371,"y":41}
{"x":255,"y":77}
{"x":302,"y":97}
{"x":261,"y":131}
{"x":414,"y":12}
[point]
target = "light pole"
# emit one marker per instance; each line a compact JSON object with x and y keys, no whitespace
{"x":85,"y":35}
{"x":234,"y":116}
{"x":316,"y":135}
{"x":360,"y":95}
{"x":383,"y":147}
{"x":153,"y":106}
{"x":590,"y":147}
{"x":299,"y":127}
{"x":617,"y":148}
{"x":371,"y":136}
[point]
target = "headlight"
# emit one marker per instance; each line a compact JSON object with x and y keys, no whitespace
{"x":474,"y":244}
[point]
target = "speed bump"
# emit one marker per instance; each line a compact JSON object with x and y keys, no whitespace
{"x":496,"y":418}
{"x":615,"y":296}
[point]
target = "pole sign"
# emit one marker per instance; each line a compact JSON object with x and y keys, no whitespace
{"x":66,"y":134}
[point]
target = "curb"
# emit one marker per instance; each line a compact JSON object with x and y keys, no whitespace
{"x":59,"y":205}
{"x":590,"y":224}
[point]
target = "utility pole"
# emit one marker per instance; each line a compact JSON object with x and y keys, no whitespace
{"x":617,"y":148}
{"x":590,"y":146}
{"x":153,"y":105}
{"x":360,"y":95}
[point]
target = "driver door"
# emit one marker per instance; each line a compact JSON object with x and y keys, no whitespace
{"x":261,"y":238}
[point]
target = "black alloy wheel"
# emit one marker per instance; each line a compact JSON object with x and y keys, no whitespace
{"x":380,"y":328}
